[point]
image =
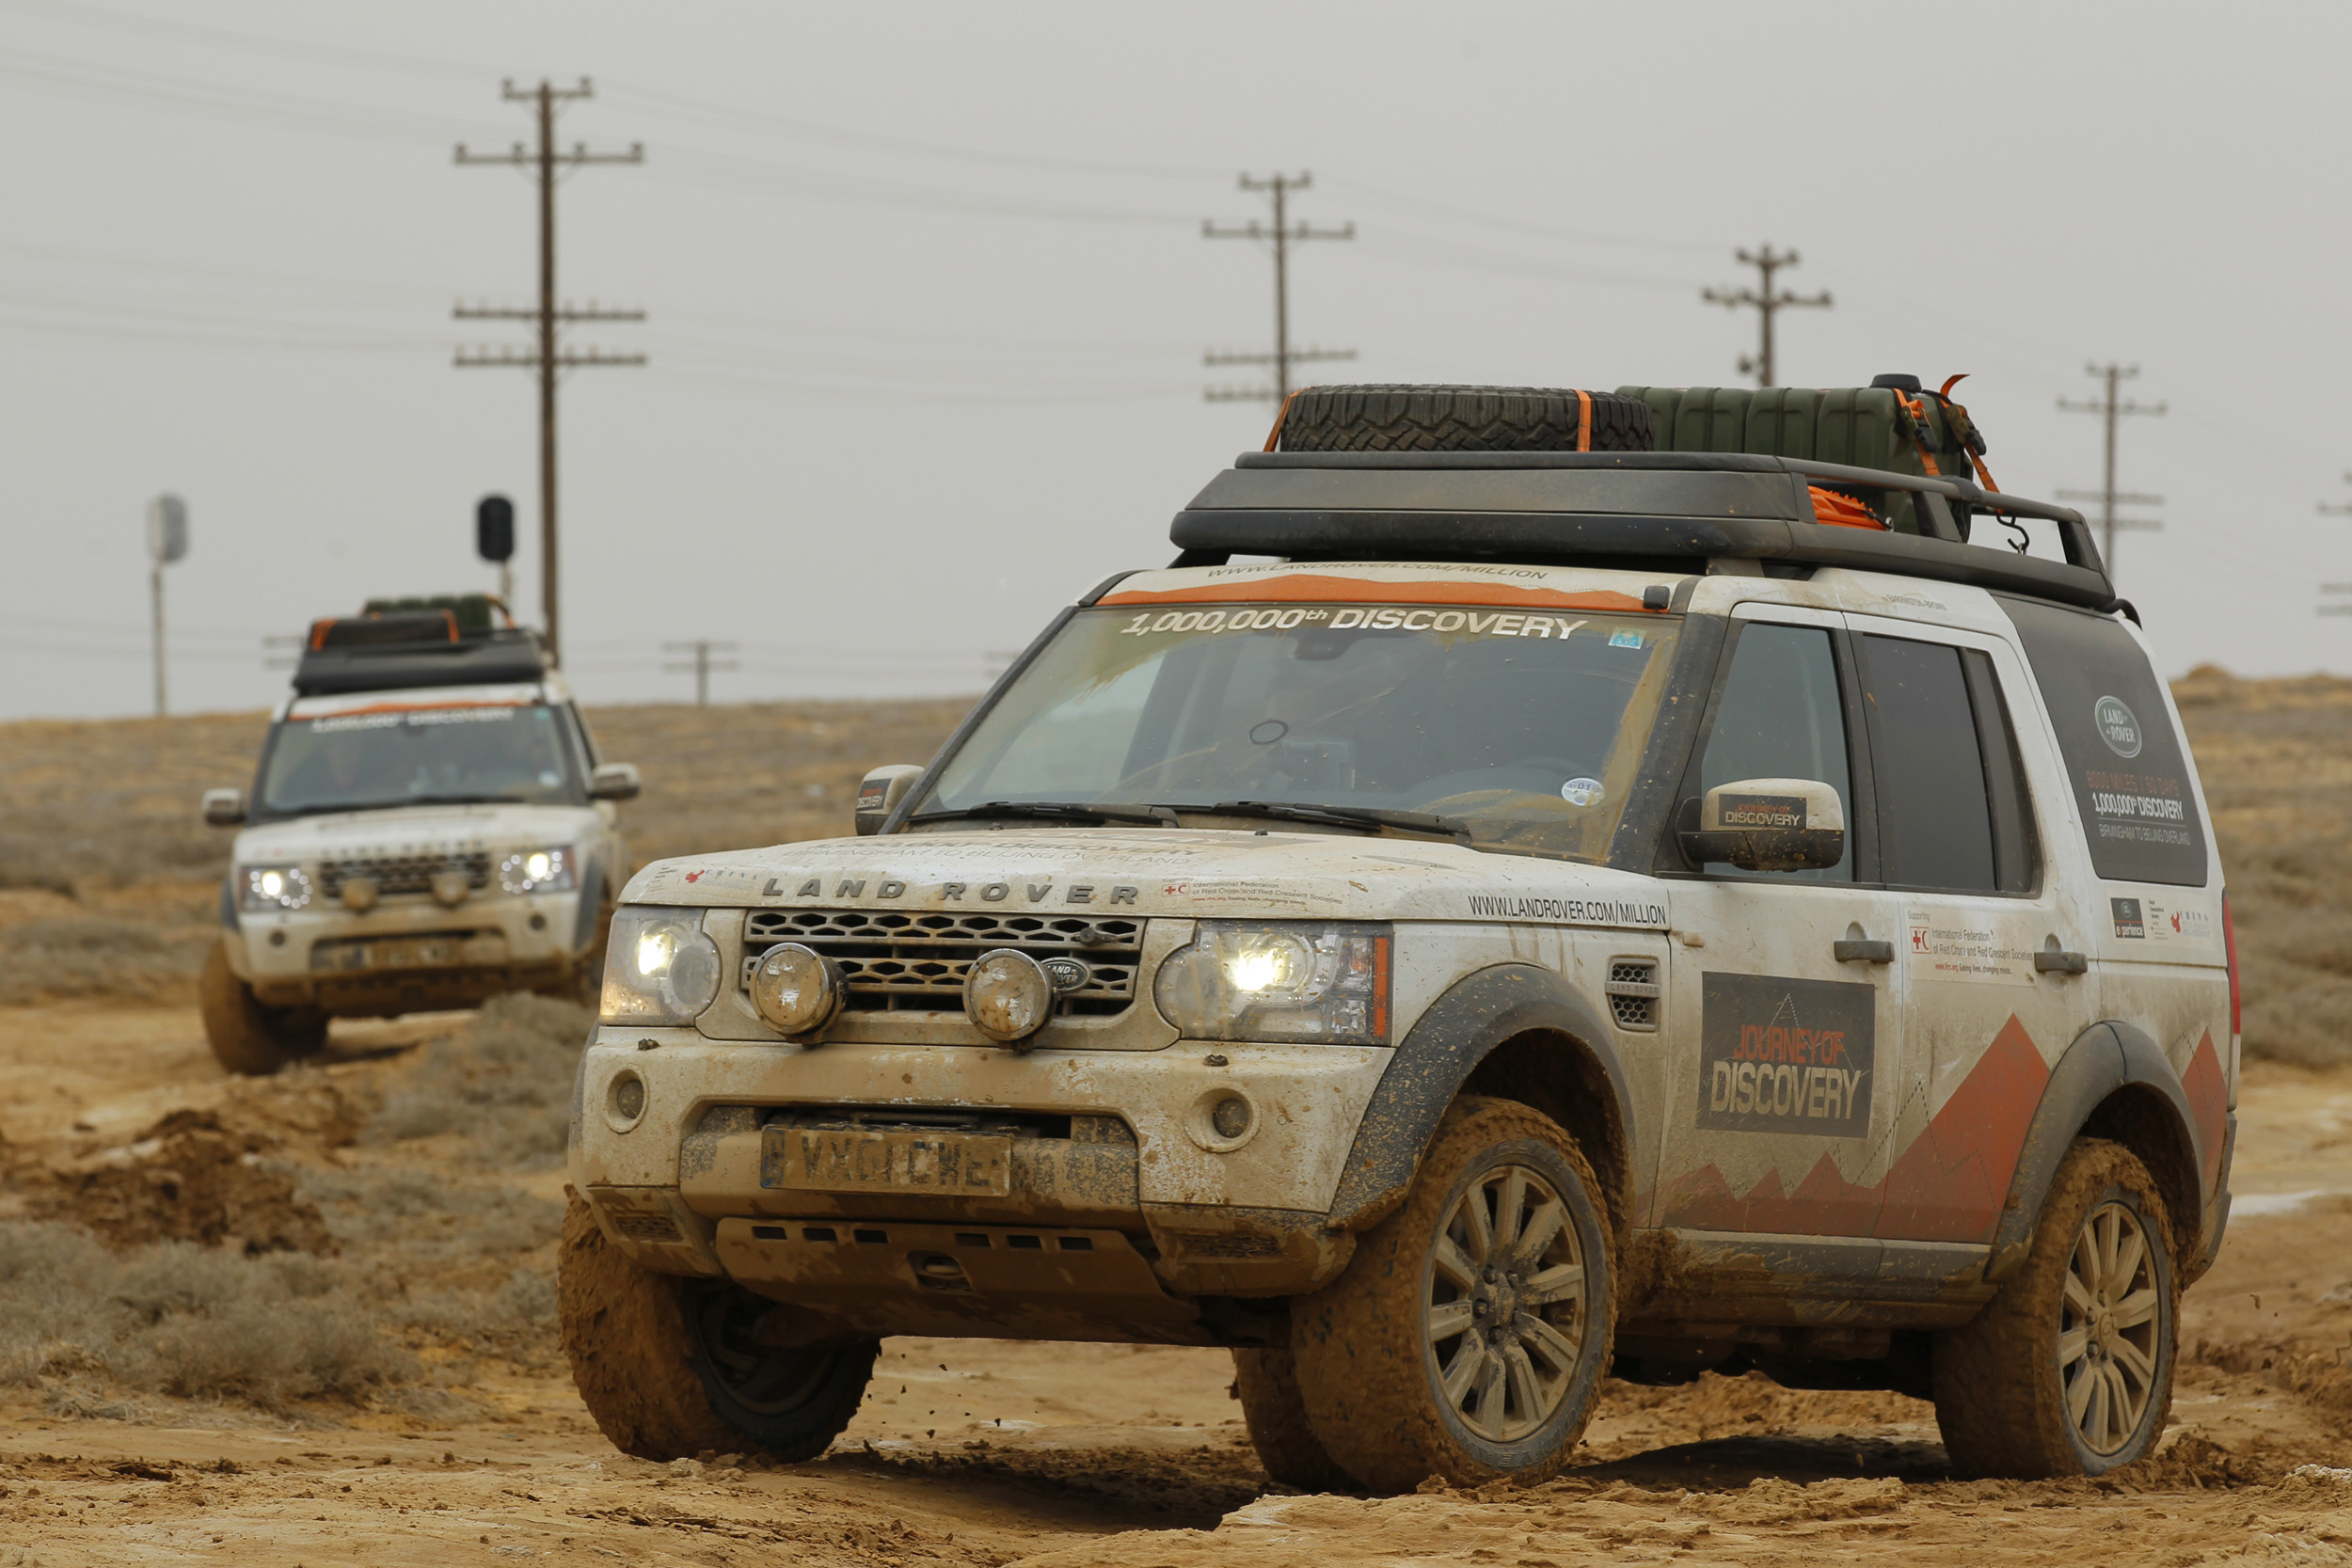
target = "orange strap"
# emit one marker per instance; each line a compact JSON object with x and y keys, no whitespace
{"x":1984,"y":475}
{"x":1917,"y":409}
{"x":1276,"y":433}
{"x":1583,"y":420}
{"x":1843,"y":511}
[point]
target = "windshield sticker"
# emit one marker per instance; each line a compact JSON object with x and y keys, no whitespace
{"x":415,"y":717}
{"x":1568,"y":912}
{"x":1785,"y":1056}
{"x":2138,"y":806}
{"x":1581,"y":792}
{"x":1945,"y":946}
{"x":1319,"y":588}
{"x":1492,"y":622}
{"x":1624,"y":639}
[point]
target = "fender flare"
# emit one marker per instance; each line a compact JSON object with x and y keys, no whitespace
{"x":1444,"y":1047}
{"x":2105,"y":1058}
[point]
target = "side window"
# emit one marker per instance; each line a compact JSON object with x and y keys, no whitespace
{"x":2126,"y":763}
{"x":1780,"y":718}
{"x":1935,"y":792}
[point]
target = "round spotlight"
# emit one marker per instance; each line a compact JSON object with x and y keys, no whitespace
{"x":1009,"y":995}
{"x":798,"y":990}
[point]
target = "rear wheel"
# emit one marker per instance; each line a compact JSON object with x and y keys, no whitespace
{"x":245,"y":1037}
{"x":2068,"y":1370}
{"x":1267,"y":1382}
{"x":1468,"y":1337}
{"x":672,"y":1368}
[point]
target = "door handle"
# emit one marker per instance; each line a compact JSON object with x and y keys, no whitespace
{"x":1850,"y":951}
{"x":2050,"y":960}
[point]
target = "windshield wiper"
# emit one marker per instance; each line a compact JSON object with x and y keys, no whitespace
{"x":1345,"y":817}
{"x":1157,"y":817}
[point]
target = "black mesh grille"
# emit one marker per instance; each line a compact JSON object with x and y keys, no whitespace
{"x":395,"y":875}
{"x":905,"y":961}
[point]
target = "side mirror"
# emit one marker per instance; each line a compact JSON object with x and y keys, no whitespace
{"x":613,"y":781}
{"x":224,"y":808}
{"x":1770,"y":825}
{"x":878,"y":794}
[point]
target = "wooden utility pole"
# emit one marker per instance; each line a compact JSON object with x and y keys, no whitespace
{"x":702,"y":664}
{"x":547,"y":357}
{"x":1285,"y":234}
{"x":1769,"y":303}
{"x":2111,"y":408}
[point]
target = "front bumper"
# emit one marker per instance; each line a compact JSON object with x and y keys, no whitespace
{"x":439,"y":957}
{"x":1143,"y":1177}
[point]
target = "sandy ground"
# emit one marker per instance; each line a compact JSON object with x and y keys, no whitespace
{"x":995,"y":1452}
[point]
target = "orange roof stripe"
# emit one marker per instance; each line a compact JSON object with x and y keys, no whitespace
{"x":1320,"y":588}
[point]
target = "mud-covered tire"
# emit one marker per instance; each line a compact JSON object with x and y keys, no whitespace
{"x":640,"y":1344}
{"x":2022,"y":1390}
{"x":1461,"y":419}
{"x":1372,"y":1350}
{"x":245,"y":1037}
{"x":1267,"y":1382}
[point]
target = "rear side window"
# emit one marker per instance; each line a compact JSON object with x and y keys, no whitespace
{"x":1951,"y":806}
{"x":2124,"y":761}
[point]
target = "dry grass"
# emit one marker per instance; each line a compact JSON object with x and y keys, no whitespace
{"x":102,"y":956}
{"x":502,"y":1083}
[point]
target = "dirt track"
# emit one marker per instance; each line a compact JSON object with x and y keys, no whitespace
{"x":995,"y":1452}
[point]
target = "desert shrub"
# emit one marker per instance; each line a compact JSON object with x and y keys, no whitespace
{"x":503,"y":1083}
{"x":190,"y":1322}
{"x":405,"y":1219}
{"x":99,"y":956}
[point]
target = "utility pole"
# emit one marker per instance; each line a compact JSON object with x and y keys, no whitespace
{"x":2338,"y":510}
{"x":167,"y":542}
{"x":702,"y":664}
{"x":546,"y":358}
{"x":1285,"y":234}
{"x":2111,"y":408}
{"x":1769,"y":303}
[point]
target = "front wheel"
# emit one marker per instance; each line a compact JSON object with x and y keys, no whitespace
{"x":245,"y":1037}
{"x":1468,"y":1337}
{"x":2068,"y":1370}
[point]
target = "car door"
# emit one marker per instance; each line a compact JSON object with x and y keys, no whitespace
{"x":1778,"y":1106}
{"x":1956,"y":775}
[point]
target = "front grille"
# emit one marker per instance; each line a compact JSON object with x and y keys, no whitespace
{"x":901,"y":961}
{"x":395,"y":875}
{"x":1634,"y":992}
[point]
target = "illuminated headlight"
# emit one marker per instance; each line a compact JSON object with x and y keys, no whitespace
{"x":273,"y":887}
{"x":660,"y":968}
{"x":547,"y":870}
{"x":1280,"y":981}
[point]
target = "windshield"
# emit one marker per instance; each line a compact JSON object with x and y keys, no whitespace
{"x":1526,"y":727}
{"x":415,"y":755}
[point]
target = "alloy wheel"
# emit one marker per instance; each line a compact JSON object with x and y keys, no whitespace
{"x":1506,"y":1317}
{"x":2110,"y":1328}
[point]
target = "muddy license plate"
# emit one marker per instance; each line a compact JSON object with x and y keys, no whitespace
{"x":975,"y":1164}
{"x":444,"y":952}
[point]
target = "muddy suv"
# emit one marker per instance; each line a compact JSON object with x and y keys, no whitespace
{"x":429,"y":827}
{"x":1494,"y":912}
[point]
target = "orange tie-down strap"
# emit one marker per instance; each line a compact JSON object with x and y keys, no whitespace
{"x":1318,"y":588}
{"x":1843,"y":511}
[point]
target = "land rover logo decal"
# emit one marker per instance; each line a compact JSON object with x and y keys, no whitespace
{"x":2119,"y":726}
{"x":1068,"y":975}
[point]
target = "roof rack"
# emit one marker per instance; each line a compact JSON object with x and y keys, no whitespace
{"x":1659,"y":510}
{"x":401,"y":643}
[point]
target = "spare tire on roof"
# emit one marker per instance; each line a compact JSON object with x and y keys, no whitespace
{"x":1462,"y":418}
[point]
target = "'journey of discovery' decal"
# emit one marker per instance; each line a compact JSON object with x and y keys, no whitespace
{"x":1782,"y":1056}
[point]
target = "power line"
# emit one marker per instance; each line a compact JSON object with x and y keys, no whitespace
{"x":546,"y":358}
{"x":701,"y":666}
{"x":2111,"y":408}
{"x":1769,"y":304}
{"x":1285,"y":234}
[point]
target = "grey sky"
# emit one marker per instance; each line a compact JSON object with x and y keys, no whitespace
{"x":929,"y":294}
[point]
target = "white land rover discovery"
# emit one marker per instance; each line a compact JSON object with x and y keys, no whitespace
{"x":429,"y":827}
{"x":1555,"y":911}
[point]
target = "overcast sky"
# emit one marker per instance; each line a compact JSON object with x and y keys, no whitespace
{"x":928,"y":296}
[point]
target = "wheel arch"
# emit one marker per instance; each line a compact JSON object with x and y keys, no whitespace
{"x":2113,"y":1082}
{"x":1515,"y":1030}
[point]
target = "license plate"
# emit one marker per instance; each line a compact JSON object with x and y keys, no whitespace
{"x":407,"y":952}
{"x":973,"y":1164}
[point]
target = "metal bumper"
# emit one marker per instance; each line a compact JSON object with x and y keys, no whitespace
{"x":504,"y":943}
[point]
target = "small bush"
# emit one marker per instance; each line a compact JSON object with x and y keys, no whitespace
{"x":503,"y":1083}
{"x":98,"y":955}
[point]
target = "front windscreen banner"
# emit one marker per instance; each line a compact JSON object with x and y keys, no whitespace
{"x":2123,"y":758}
{"x":367,"y":757}
{"x":1521,"y":714}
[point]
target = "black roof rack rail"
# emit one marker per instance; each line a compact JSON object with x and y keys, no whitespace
{"x":337,"y":661}
{"x":1598,"y":508}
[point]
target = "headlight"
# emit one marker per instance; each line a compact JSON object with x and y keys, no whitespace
{"x":1280,"y":981}
{"x":797,"y":989}
{"x":1009,"y":996}
{"x":660,"y":968}
{"x":274,"y":887}
{"x":547,"y":870}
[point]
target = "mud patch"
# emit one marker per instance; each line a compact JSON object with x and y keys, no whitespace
{"x":189,"y":1178}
